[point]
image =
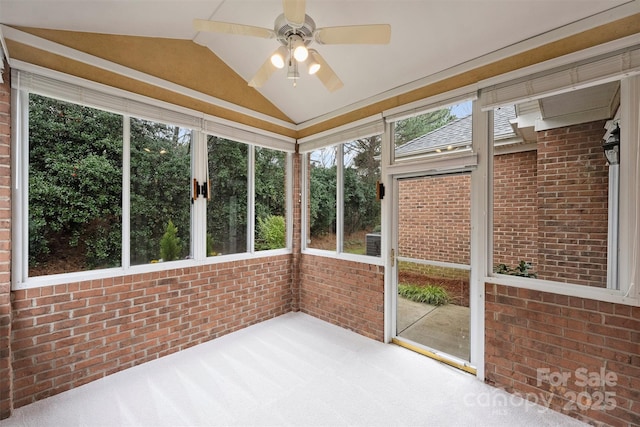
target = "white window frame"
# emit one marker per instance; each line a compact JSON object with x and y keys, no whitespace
{"x":619,"y":66}
{"x":364,"y":128}
{"x":31,"y":79}
{"x":251,"y":198}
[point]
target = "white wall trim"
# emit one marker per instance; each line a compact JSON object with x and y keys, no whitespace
{"x":57,"y":279}
{"x":568,"y":289}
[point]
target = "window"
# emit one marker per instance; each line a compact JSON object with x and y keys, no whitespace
{"x":553,"y":205}
{"x":343,"y":212}
{"x":227,"y":212}
{"x":270,"y":199}
{"x":446,"y":130}
{"x":75,"y":187}
{"x":102,"y":192}
{"x":321,"y":211}
{"x":361,"y":230}
{"x":160,"y":197}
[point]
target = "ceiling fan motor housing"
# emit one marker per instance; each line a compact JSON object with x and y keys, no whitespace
{"x":284,"y":30}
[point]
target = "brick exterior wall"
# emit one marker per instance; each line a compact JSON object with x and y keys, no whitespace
{"x":515,"y":209}
{"x":68,"y":335}
{"x":572,"y":201}
{"x":6,"y":402}
{"x":545,"y":203}
{"x":346,"y":293}
{"x":535,"y":338}
{"x":435,"y":218}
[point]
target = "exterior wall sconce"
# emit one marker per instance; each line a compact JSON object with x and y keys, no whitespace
{"x":611,"y":146}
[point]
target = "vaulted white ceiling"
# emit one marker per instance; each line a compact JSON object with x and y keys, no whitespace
{"x":427,"y":36}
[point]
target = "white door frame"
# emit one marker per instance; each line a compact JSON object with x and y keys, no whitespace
{"x":479,"y":162}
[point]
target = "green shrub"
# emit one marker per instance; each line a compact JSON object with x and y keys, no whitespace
{"x":434,"y":295}
{"x":271,"y":233}
{"x":170,"y":245}
{"x":210,"y":250}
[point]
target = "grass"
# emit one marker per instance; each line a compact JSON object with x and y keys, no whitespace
{"x":434,"y":295}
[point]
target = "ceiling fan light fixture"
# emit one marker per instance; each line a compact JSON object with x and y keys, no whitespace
{"x":278,"y":58}
{"x":300,"y":51}
{"x":313,"y":64}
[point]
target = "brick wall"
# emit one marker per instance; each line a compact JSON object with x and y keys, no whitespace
{"x":68,"y":335}
{"x":572,"y":201}
{"x":6,"y":404}
{"x":515,"y":209}
{"x":435,"y":218}
{"x":346,"y":293}
{"x":534,"y":340}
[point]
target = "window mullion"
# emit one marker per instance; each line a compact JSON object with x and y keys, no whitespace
{"x":199,"y":166}
{"x":126,"y":192}
{"x":251,"y":197}
{"x":289,"y":200}
{"x":340,"y":198}
{"x":20,"y":197}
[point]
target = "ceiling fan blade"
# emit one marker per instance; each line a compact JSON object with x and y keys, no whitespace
{"x":264,"y":72}
{"x":327,"y":76}
{"x":294,"y":11}
{"x":354,"y":34}
{"x":230,"y":28}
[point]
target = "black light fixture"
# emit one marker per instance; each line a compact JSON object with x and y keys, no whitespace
{"x":611,"y":146}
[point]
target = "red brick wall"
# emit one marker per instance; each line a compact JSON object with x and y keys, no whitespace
{"x":532,"y":333}
{"x":346,"y":293}
{"x":6,"y":404}
{"x":435,"y":218}
{"x":572,"y":201}
{"x":68,"y":335}
{"x":515,"y":209}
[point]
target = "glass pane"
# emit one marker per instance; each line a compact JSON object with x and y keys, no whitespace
{"x":271,"y":232}
{"x":160,"y":192}
{"x":361,"y":209}
{"x":552,"y":185}
{"x":434,"y":134}
{"x":75,"y":187}
{"x":434,"y":235}
{"x":227,"y":211}
{"x":322,"y":199}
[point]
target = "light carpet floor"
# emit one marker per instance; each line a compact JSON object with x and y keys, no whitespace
{"x":294,"y":370}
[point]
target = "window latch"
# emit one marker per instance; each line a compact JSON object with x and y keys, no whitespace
{"x":200,"y":189}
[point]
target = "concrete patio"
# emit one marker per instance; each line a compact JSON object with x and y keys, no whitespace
{"x":444,"y":328}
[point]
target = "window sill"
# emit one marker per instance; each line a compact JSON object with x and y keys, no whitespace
{"x":83,"y":276}
{"x":365,"y":259}
{"x":568,"y":289}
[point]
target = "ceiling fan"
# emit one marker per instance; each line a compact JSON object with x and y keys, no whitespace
{"x":295,"y":30}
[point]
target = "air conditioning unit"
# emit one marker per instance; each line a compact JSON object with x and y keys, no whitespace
{"x":373,"y":244}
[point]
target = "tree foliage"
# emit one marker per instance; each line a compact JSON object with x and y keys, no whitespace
{"x":271,"y":232}
{"x":75,"y":185}
{"x":413,"y":127}
{"x":160,"y":187}
{"x":227,"y":212}
{"x":170,"y":246}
